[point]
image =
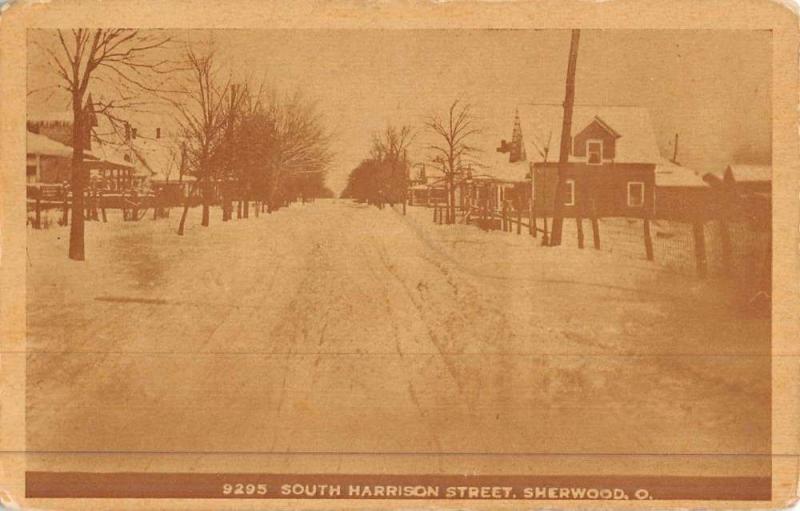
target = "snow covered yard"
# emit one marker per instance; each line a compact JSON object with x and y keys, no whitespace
{"x":335,"y":326}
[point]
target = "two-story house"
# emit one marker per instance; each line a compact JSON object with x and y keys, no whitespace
{"x":612,"y":159}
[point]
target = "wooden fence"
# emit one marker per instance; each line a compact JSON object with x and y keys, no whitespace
{"x":731,"y":239}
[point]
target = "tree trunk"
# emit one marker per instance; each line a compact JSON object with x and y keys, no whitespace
{"x":76,"y":231}
{"x":185,"y":210}
{"x":451,"y":200}
{"x":566,"y":140}
{"x":206,"y":202}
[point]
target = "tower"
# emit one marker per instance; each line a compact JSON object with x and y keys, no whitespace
{"x":517,"y":146}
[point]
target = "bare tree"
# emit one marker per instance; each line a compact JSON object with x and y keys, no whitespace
{"x":454,"y":150}
{"x":120,"y":60}
{"x":383,"y":176}
{"x":202,"y":111}
{"x":301,"y":147}
{"x":390,"y":148}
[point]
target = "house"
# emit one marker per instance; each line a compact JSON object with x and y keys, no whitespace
{"x":114,"y":170}
{"x":499,"y":176}
{"x":612,"y":159}
{"x":749,"y":178}
{"x":501,"y":185}
{"x":48,"y":161}
{"x":745,"y":192}
{"x":157,"y":155}
{"x":681,"y":193}
{"x":427,"y":187}
{"x":108,"y":163}
{"x":508,"y":171}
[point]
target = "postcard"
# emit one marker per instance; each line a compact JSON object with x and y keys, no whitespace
{"x":407,"y":255}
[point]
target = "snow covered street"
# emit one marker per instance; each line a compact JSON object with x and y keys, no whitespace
{"x":338,"y":327}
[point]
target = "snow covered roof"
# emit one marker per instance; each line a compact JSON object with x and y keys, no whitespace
{"x":748,"y":173}
{"x":42,"y":145}
{"x":160,"y":157}
{"x":669,"y":174}
{"x":109,"y":154}
{"x":64,"y":117}
{"x":498,"y":167}
{"x":541,"y":130}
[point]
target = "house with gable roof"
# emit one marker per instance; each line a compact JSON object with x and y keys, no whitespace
{"x":106,"y":159}
{"x":612,"y":159}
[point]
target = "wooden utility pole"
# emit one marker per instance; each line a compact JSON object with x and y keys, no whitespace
{"x":675,"y":151}
{"x":595,"y":224}
{"x":566,"y":140}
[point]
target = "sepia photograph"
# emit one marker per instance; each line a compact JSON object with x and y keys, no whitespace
{"x":414,"y":244}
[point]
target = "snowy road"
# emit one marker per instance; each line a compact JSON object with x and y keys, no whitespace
{"x":334,"y":327}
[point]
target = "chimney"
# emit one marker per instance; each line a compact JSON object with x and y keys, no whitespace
{"x":158,"y":133}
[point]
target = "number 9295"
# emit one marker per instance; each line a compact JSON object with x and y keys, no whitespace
{"x":244,"y":489}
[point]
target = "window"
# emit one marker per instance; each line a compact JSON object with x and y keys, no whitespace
{"x":635,"y":194}
{"x":31,"y":168}
{"x":569,"y":194}
{"x":594,"y":152}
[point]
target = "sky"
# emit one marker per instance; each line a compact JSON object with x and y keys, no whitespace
{"x":713,"y":88}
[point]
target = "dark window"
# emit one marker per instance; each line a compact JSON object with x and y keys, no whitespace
{"x":594,"y":152}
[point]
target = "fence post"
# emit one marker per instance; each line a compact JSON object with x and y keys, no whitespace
{"x":38,"y":222}
{"x":648,"y":240}
{"x":700,"y":247}
{"x":103,"y":208}
{"x":579,"y":223}
{"x":519,"y":221}
{"x":95,"y":215}
{"x":65,"y":215}
{"x":545,"y":234}
{"x":135,"y":207}
{"x":595,"y":226}
{"x":725,"y":241}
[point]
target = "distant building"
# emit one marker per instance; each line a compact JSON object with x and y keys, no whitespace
{"x":745,"y":192}
{"x":681,"y":193}
{"x":427,"y":187}
{"x":748,"y":177}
